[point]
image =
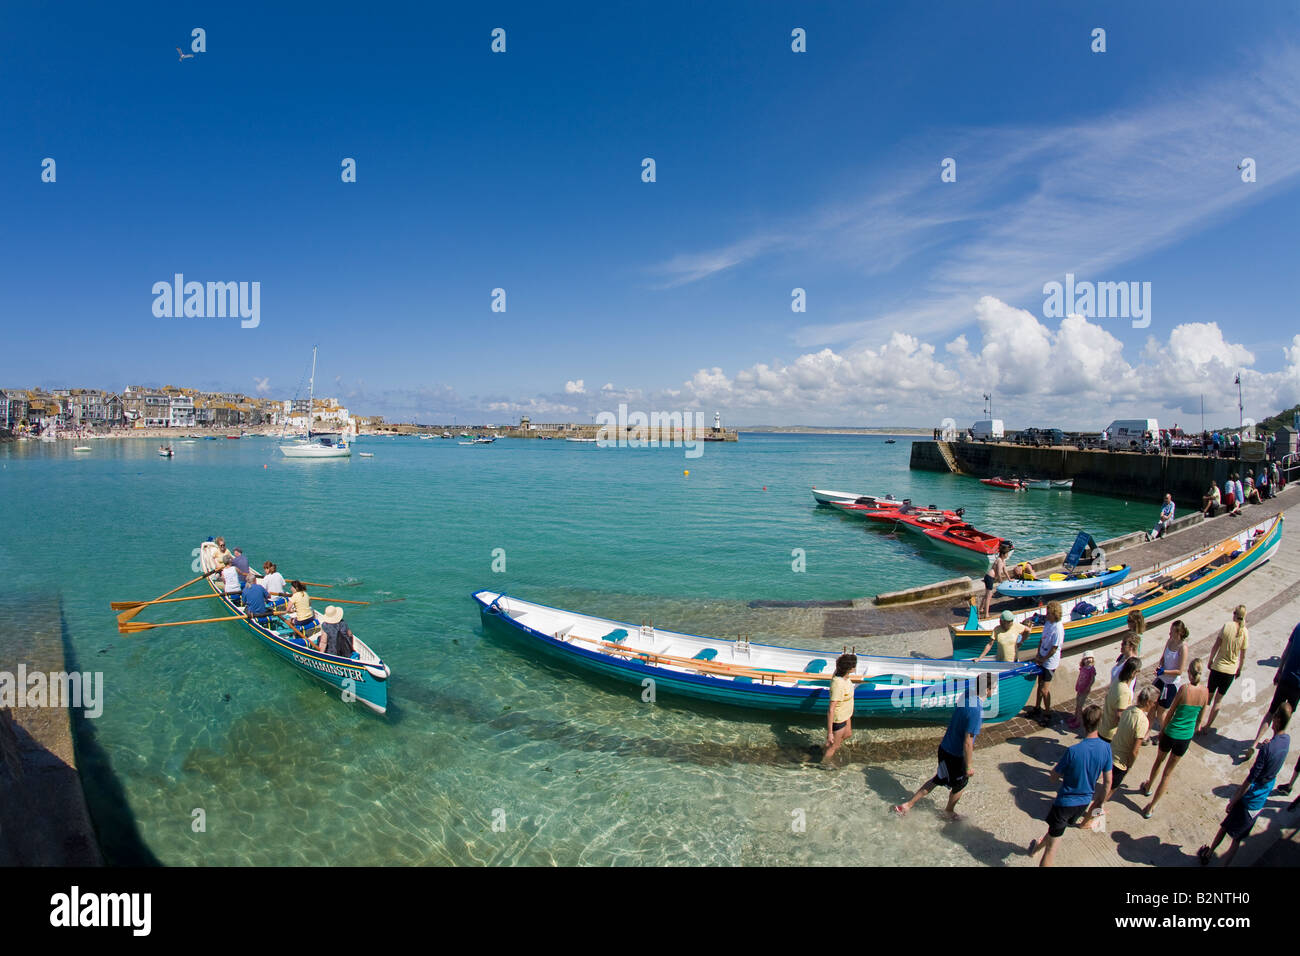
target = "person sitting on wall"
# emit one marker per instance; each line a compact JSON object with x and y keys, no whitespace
{"x":1211,"y":500}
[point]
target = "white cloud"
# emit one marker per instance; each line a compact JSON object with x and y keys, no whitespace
{"x":1073,"y":374}
{"x":575,"y":388}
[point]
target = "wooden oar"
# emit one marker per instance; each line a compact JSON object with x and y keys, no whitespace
{"x":132,"y":627}
{"x":338,"y":600}
{"x":735,"y":670}
{"x":127,"y":615}
{"x":314,"y":584}
{"x":133,"y":605}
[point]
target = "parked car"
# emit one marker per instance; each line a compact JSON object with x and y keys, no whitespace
{"x":1041,"y":436}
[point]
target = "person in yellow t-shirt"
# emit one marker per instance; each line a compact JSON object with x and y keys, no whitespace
{"x":1008,"y":636}
{"x":304,"y":618}
{"x":1227,"y":658}
{"x":839,"y":715}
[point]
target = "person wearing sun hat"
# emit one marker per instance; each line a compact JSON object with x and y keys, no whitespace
{"x":335,"y":636}
{"x":1008,"y":636}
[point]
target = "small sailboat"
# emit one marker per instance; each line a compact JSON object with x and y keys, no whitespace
{"x":318,"y":444}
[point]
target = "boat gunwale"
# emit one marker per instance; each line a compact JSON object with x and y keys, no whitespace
{"x":1244,"y":561}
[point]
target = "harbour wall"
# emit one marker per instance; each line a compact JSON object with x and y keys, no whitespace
{"x":1120,"y":474}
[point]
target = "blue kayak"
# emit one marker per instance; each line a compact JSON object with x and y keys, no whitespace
{"x":1060,"y":583}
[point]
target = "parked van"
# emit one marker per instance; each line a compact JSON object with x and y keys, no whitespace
{"x":1128,"y":434}
{"x":990,"y":429}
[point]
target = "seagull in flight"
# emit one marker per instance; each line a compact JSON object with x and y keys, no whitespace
{"x":184,"y":56}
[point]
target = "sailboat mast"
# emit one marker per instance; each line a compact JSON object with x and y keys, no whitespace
{"x":311,"y":392}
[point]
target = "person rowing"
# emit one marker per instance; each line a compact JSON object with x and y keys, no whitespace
{"x":230,"y":583}
{"x":304,"y":618}
{"x":240,"y":562}
{"x":275,"y":585}
{"x":255,"y":596}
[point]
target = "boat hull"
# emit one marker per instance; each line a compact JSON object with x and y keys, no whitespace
{"x":1257,"y":548}
{"x":315,"y":451}
{"x":1048,"y":588}
{"x":366,"y":683}
{"x":901,"y":698}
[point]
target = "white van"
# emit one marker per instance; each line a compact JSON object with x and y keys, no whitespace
{"x":989,"y":428}
{"x":1126,"y":434}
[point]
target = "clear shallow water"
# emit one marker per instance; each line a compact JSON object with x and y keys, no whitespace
{"x":479,"y":729}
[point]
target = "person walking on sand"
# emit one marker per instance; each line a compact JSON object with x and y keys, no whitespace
{"x":1249,"y":800}
{"x":1227,"y":658}
{"x":1085,"y":776}
{"x":1171,"y":672}
{"x":839,"y":715}
{"x":1049,"y":658}
{"x":1132,"y":730}
{"x":1119,"y":697}
{"x":1287,"y":680}
{"x":1184,"y":715}
{"x":957,"y":749}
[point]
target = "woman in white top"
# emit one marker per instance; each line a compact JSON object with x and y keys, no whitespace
{"x":1171,"y":674}
{"x":273,"y":581}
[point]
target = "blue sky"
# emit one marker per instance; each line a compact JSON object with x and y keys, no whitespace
{"x":775,"y":170}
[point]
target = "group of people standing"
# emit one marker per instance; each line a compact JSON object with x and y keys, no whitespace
{"x":265,"y":595}
{"x":1180,"y":704}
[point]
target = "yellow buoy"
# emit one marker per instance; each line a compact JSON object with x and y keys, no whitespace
{"x":687,"y":473}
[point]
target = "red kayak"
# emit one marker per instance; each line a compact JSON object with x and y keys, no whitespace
{"x":1009,"y":484}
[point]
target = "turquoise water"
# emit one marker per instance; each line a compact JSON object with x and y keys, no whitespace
{"x":479,"y":729}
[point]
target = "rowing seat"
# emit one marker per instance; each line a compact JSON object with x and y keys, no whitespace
{"x":708,"y":654}
{"x":816,"y":667}
{"x":616,"y":636}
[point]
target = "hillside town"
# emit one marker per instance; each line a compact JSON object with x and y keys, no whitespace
{"x":136,"y":410}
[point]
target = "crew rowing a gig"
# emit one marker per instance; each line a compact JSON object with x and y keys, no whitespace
{"x":322,"y":646}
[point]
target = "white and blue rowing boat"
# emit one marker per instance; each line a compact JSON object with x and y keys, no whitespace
{"x":757,"y":676}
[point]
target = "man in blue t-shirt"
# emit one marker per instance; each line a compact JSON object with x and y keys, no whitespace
{"x":957,"y":749}
{"x":255,"y":598}
{"x":1084,"y":773}
{"x":1244,"y":807}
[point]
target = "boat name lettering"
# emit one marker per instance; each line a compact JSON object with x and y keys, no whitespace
{"x":335,"y":669}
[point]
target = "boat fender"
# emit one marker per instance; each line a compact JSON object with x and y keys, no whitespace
{"x":378,"y":671}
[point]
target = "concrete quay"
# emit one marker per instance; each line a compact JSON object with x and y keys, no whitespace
{"x":1125,"y":474}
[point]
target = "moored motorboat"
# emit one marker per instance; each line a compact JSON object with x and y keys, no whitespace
{"x":1062,"y":484}
{"x":826,"y":497}
{"x":1159,"y":593}
{"x":1006,"y":484}
{"x":758,"y":676}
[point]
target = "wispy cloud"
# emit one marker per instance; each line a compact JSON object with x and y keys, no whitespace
{"x":1031,"y":204}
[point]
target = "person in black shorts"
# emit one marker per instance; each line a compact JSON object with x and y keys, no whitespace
{"x":957,"y":749}
{"x":1287,"y":680}
{"x":996,"y":575}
